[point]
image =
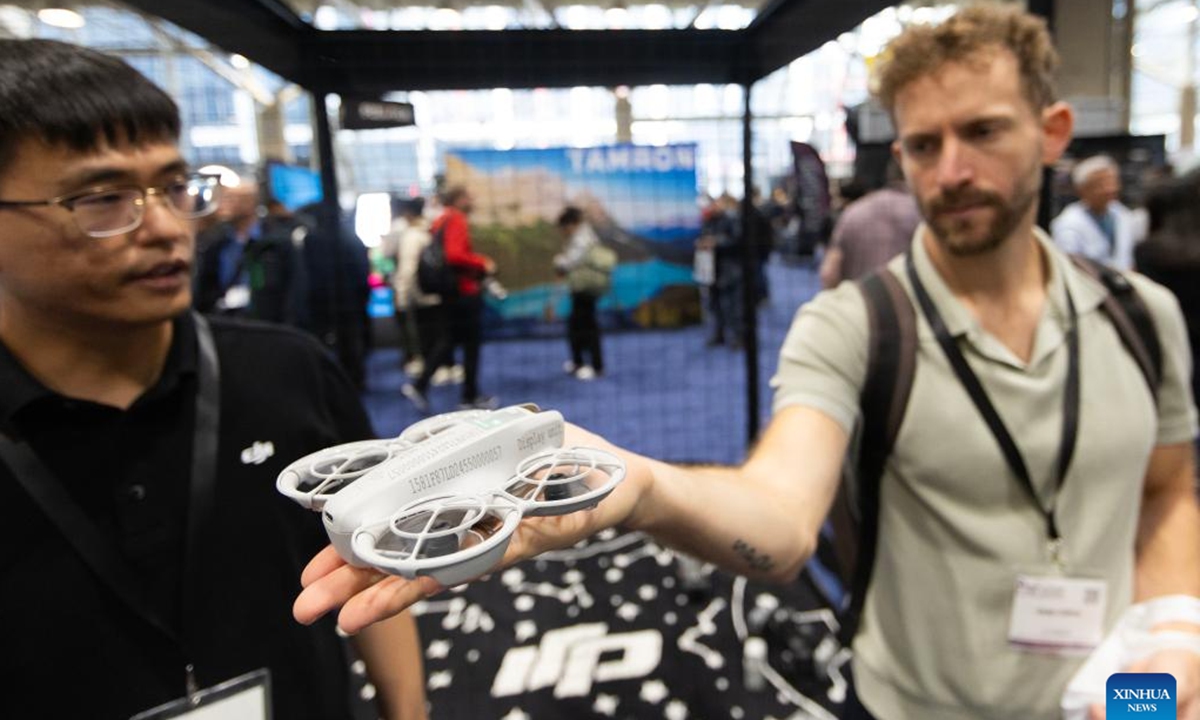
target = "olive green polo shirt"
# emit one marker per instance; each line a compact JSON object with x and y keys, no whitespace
{"x":955,"y":524}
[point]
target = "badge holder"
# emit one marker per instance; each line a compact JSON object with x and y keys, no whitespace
{"x":1056,"y":613}
{"x":246,"y":697}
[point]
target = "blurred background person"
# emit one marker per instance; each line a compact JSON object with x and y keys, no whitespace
{"x":403,"y":244}
{"x":720,"y":234}
{"x":251,"y":265}
{"x":587,"y":283}
{"x":1098,"y":225}
{"x":870,"y":231}
{"x":464,"y":312}
{"x":1171,"y":253}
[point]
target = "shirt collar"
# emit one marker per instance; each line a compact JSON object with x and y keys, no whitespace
{"x":20,"y":389}
{"x":1087,"y":293}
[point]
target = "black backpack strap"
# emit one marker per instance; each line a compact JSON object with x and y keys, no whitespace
{"x":1131,"y":318}
{"x":891,"y":367}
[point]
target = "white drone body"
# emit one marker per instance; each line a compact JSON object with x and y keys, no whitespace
{"x":444,"y":498}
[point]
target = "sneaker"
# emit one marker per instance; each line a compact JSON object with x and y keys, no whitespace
{"x":569,"y":367}
{"x":481,"y":402}
{"x":585,"y":373}
{"x":416,"y":397}
{"x":441,"y":376}
{"x":457,"y":374}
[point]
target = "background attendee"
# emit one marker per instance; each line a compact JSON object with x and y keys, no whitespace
{"x":720,"y":233}
{"x":146,"y":544}
{"x":1034,"y":454}
{"x":583,"y":330}
{"x":415,"y":311}
{"x":1171,"y":253}
{"x":871,"y":231}
{"x":464,"y":312}
{"x":252,"y":265}
{"x":1097,"y":225}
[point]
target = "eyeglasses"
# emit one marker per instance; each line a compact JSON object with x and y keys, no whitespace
{"x":106,"y":212}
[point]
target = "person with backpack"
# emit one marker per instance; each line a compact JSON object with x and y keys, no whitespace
{"x":462,"y":301}
{"x":587,"y":266}
{"x":1040,"y":480}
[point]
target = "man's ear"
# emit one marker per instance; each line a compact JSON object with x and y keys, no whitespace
{"x":1058,"y":123}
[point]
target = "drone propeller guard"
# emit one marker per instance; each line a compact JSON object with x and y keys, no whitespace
{"x":445,"y":497}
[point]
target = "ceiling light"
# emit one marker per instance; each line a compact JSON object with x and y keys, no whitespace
{"x":239,"y":61}
{"x":61,"y":17}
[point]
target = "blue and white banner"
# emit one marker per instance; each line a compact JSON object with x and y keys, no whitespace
{"x":641,"y":200}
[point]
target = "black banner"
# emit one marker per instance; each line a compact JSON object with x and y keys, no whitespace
{"x":366,"y":114}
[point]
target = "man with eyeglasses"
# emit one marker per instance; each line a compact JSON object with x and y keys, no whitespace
{"x":145,"y":555}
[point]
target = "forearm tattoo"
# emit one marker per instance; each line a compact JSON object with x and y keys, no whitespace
{"x":757,"y":560}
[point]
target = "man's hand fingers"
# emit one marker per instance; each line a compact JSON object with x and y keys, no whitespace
{"x":321,"y":565}
{"x":1096,"y":712}
{"x":328,"y":591}
{"x":384,"y":599}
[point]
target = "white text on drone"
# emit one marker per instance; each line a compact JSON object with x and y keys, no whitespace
{"x":448,"y":472}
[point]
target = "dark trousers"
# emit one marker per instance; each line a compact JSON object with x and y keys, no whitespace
{"x":583,"y":332}
{"x":431,"y":324}
{"x":462,"y":326}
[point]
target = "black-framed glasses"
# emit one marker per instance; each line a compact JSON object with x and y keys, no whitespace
{"x":105,"y":212}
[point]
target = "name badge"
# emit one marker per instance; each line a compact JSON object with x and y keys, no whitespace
{"x":1057,"y":615}
{"x":246,"y":697}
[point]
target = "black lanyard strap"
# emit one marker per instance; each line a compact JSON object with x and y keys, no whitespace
{"x":970,"y":382}
{"x":201,"y":490}
{"x":100,"y":553}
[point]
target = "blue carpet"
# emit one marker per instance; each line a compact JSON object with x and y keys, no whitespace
{"x":663,"y":394}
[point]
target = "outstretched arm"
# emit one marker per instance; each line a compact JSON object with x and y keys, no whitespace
{"x":760,"y":519}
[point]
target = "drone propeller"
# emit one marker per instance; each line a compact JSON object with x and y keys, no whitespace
{"x":564,"y":480}
{"x":313,"y":479}
{"x":452,"y":538}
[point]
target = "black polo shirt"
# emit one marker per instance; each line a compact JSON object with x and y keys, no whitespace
{"x":72,"y":648}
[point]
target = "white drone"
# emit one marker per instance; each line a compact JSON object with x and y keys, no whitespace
{"x":444,"y":498}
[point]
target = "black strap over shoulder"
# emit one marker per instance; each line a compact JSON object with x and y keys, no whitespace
{"x":891,"y":367}
{"x":1131,"y":319}
{"x":97,"y":550}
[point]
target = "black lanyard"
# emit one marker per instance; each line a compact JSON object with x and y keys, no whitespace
{"x":97,"y":551}
{"x":1070,"y":415}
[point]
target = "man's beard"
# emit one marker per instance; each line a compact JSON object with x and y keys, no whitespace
{"x":964,"y":236}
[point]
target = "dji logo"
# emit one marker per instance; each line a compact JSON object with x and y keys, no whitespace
{"x":258,"y":453}
{"x":570,"y":660}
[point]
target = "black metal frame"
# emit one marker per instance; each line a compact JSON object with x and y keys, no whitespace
{"x":365,"y":63}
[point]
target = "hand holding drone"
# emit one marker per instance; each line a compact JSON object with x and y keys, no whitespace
{"x":444,"y":498}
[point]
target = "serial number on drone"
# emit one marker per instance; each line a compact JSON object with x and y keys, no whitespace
{"x":448,"y":472}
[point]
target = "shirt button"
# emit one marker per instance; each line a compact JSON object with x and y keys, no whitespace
{"x":136,"y":492}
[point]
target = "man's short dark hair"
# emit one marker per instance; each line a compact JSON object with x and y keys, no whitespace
{"x":570,"y":215}
{"x":71,"y":96}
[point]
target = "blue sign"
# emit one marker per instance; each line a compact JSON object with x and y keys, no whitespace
{"x":1140,"y":696}
{"x":294,"y":186}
